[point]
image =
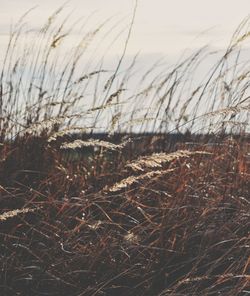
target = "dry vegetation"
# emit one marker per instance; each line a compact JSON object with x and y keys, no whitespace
{"x":165,"y":213}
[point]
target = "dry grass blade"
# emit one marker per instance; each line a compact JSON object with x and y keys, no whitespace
{"x":229,"y":110}
{"x":134,"y":179}
{"x":57,"y":40}
{"x":90,"y":143}
{"x":243,"y":37}
{"x":156,"y":160}
{"x":236,"y":123}
{"x":219,"y":277}
{"x":88,"y":76}
{"x":40,"y":126}
{"x":130,"y":237}
{"x":10,"y":214}
{"x":67,"y":131}
{"x":115,"y":95}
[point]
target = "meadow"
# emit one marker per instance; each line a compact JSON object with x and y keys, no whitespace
{"x":107,"y":189}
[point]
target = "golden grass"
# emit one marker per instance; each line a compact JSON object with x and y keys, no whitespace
{"x":67,"y":131}
{"x":90,"y":143}
{"x":229,"y":110}
{"x":156,"y":160}
{"x":14,"y":213}
{"x":135,"y":179}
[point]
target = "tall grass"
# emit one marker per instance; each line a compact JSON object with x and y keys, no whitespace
{"x":42,"y":85}
{"x":125,"y":212}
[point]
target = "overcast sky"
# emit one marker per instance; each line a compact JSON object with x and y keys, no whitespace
{"x":161,"y":26}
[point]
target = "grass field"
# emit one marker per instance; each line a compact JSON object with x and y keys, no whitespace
{"x":100,"y":198}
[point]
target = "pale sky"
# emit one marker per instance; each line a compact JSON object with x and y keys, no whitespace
{"x":161,"y":26}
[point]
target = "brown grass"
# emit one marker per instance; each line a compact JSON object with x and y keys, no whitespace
{"x":137,"y":214}
{"x":176,"y":226}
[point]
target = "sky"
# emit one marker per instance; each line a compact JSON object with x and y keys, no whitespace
{"x":165,"y":29}
{"x":161,"y":26}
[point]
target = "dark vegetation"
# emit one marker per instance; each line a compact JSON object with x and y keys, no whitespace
{"x":125,"y":211}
